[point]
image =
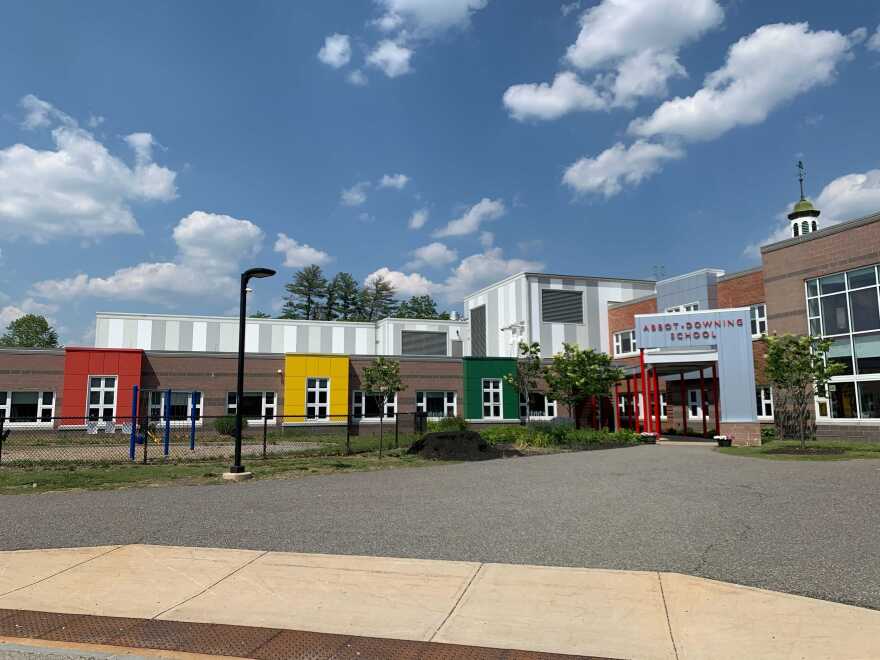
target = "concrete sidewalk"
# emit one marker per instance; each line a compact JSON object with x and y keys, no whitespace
{"x":617,"y":614}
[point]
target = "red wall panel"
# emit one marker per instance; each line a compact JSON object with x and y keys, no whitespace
{"x":81,"y":363}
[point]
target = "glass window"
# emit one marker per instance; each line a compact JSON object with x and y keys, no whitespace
{"x":317,"y":398}
{"x":758,"y":319}
{"x":254,"y":405}
{"x":813,"y":307}
{"x":869,"y":399}
{"x":492,"y":398}
{"x":843,"y":400}
{"x":865,"y":311}
{"x":834,"y":315}
{"x":102,"y":397}
{"x":813,"y":288}
{"x":841,"y":353}
{"x":867,"y":348}
{"x":625,"y":342}
{"x":832,"y":283}
{"x":436,"y":404}
{"x":861,"y":277}
{"x":815,"y":327}
{"x":764,"y":400}
{"x":24,"y":407}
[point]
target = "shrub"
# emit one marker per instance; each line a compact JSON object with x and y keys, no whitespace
{"x":768,"y":433}
{"x":556,"y":434}
{"x":504,"y":434}
{"x":447,"y":424}
{"x":225,"y":425}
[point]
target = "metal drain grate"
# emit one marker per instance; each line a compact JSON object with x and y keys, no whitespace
{"x":241,"y":641}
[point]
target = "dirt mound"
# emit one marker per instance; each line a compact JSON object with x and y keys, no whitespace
{"x":455,"y":446}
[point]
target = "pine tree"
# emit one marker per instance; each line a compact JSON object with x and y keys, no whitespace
{"x":420,"y":307}
{"x":347,"y":295}
{"x":306,"y":294}
{"x":377,"y":299}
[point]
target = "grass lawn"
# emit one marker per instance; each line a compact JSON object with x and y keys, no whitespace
{"x":39,"y":479}
{"x":822,"y":451}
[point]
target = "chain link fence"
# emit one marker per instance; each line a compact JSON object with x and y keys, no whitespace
{"x":147,"y":440}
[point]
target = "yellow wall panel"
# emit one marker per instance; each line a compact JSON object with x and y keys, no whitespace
{"x":298,"y":368}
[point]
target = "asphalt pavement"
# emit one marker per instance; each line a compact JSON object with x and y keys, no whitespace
{"x":808,"y":528}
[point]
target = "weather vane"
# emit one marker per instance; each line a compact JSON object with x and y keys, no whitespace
{"x":802,"y":175}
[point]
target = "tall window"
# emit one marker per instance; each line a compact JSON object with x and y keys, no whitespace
{"x":436,"y":404}
{"x":102,"y":398}
{"x":317,"y":398}
{"x":625,"y":343}
{"x":695,"y":404}
{"x":492,"y":398}
{"x":365,"y":405}
{"x":845,"y":307}
{"x":27,"y":407}
{"x":758,"y":315}
{"x":254,"y":405}
{"x":764,"y":401}
{"x":539,"y":405}
{"x":662,"y":406}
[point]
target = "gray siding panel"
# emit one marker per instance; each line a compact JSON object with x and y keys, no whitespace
{"x":157,"y":342}
{"x":129,"y":333}
{"x":593,"y":329}
{"x":350,"y":341}
{"x":185,"y":338}
{"x":326,"y":340}
{"x":570,"y":333}
{"x":265,"y":341}
{"x":212,"y":337}
{"x":102,"y":333}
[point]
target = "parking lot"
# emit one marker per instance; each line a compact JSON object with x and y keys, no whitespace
{"x":810,"y":528}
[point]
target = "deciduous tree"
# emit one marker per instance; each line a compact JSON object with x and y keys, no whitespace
{"x":30,"y":331}
{"x":382,"y":381}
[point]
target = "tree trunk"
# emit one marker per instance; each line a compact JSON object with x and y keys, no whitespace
{"x":574,"y":411}
{"x":599,"y":412}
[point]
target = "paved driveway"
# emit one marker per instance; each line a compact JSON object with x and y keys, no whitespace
{"x":801,"y":527}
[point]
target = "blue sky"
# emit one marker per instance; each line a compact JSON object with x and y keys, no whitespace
{"x":150,"y":151}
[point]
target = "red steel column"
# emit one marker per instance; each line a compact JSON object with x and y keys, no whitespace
{"x":658,"y":427}
{"x":627,"y":402}
{"x":703,"y":402}
{"x":616,"y":406}
{"x":717,"y":402}
{"x":645,"y":410}
{"x":636,"y":413}
{"x":684,"y":417}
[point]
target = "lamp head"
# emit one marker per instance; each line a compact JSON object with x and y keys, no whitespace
{"x":257,"y":273}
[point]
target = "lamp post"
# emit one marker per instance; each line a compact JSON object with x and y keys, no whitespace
{"x":236,"y":471}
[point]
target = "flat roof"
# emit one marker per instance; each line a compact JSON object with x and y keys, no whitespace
{"x":741,"y":273}
{"x":250,"y":319}
{"x":822,"y":233}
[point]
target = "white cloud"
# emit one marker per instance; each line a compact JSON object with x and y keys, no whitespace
{"x":336,"y":51}
{"x":392,"y":58}
{"x":10,"y":313}
{"x":356,"y":195}
{"x":543,"y":101}
{"x":847,"y":197}
{"x":95,"y":121}
{"x":763,"y":70}
{"x":413,"y":284}
{"x":428,"y":17}
{"x":616,"y":29}
{"x":211,"y":249}
{"x":397,"y":181}
{"x":487,"y":238}
{"x":483,"y":211}
{"x":632,"y":44}
{"x":570,"y":7}
{"x":418,"y":219}
{"x":874,"y":41}
{"x":433,"y":255}
{"x":78,"y":188}
{"x":357,"y":78}
{"x":297,"y":255}
{"x":606,"y":173}
{"x":478,"y":270}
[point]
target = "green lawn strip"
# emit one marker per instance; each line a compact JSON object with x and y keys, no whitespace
{"x":98,"y":477}
{"x":850,"y":450}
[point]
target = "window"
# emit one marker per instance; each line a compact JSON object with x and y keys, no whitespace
{"x":491,"y":398}
{"x":27,"y":407}
{"x":366,"y":405}
{"x":697,"y":404}
{"x":254,"y":405}
{"x":764,"y":402}
{"x":181,"y":406}
{"x":317,"y":398}
{"x":539,"y":406}
{"x":846,"y":308}
{"x":436,"y":404}
{"x":625,"y":342}
{"x":422,"y":343}
{"x":690,"y":307}
{"x":662,"y":406}
{"x":758,"y":315}
{"x":102,"y":398}
{"x":562,"y":306}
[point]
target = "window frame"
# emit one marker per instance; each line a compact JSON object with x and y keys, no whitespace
{"x":551,"y":407}
{"x":450,"y":408}
{"x":618,"y":343}
{"x":265,"y":407}
{"x":101,"y":406}
{"x":359,"y":403}
{"x":40,"y":422}
{"x":757,"y":320}
{"x":317,"y":405}
{"x":492,"y":404}
{"x":687,"y":307}
{"x":160,"y":417}
{"x":764,"y":398}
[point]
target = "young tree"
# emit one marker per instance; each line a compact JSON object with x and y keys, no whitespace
{"x":528,"y":370}
{"x":420,"y":307}
{"x":30,"y":331}
{"x":378,"y":299}
{"x":305,"y":294}
{"x":577,"y":374}
{"x":605,"y":375}
{"x":797,"y":367}
{"x":382,"y":381}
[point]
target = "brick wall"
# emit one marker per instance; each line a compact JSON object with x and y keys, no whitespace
{"x":622,"y":317}
{"x":418,"y":376}
{"x":741,"y":289}
{"x":42,"y":370}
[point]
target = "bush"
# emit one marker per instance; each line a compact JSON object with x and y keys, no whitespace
{"x":447,"y":424}
{"x":504,"y":434}
{"x":768,"y":433}
{"x":225,"y":425}
{"x":555,"y":434}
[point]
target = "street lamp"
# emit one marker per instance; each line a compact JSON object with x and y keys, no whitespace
{"x":236,"y":471}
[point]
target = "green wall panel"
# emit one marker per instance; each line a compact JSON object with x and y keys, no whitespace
{"x":475,"y":370}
